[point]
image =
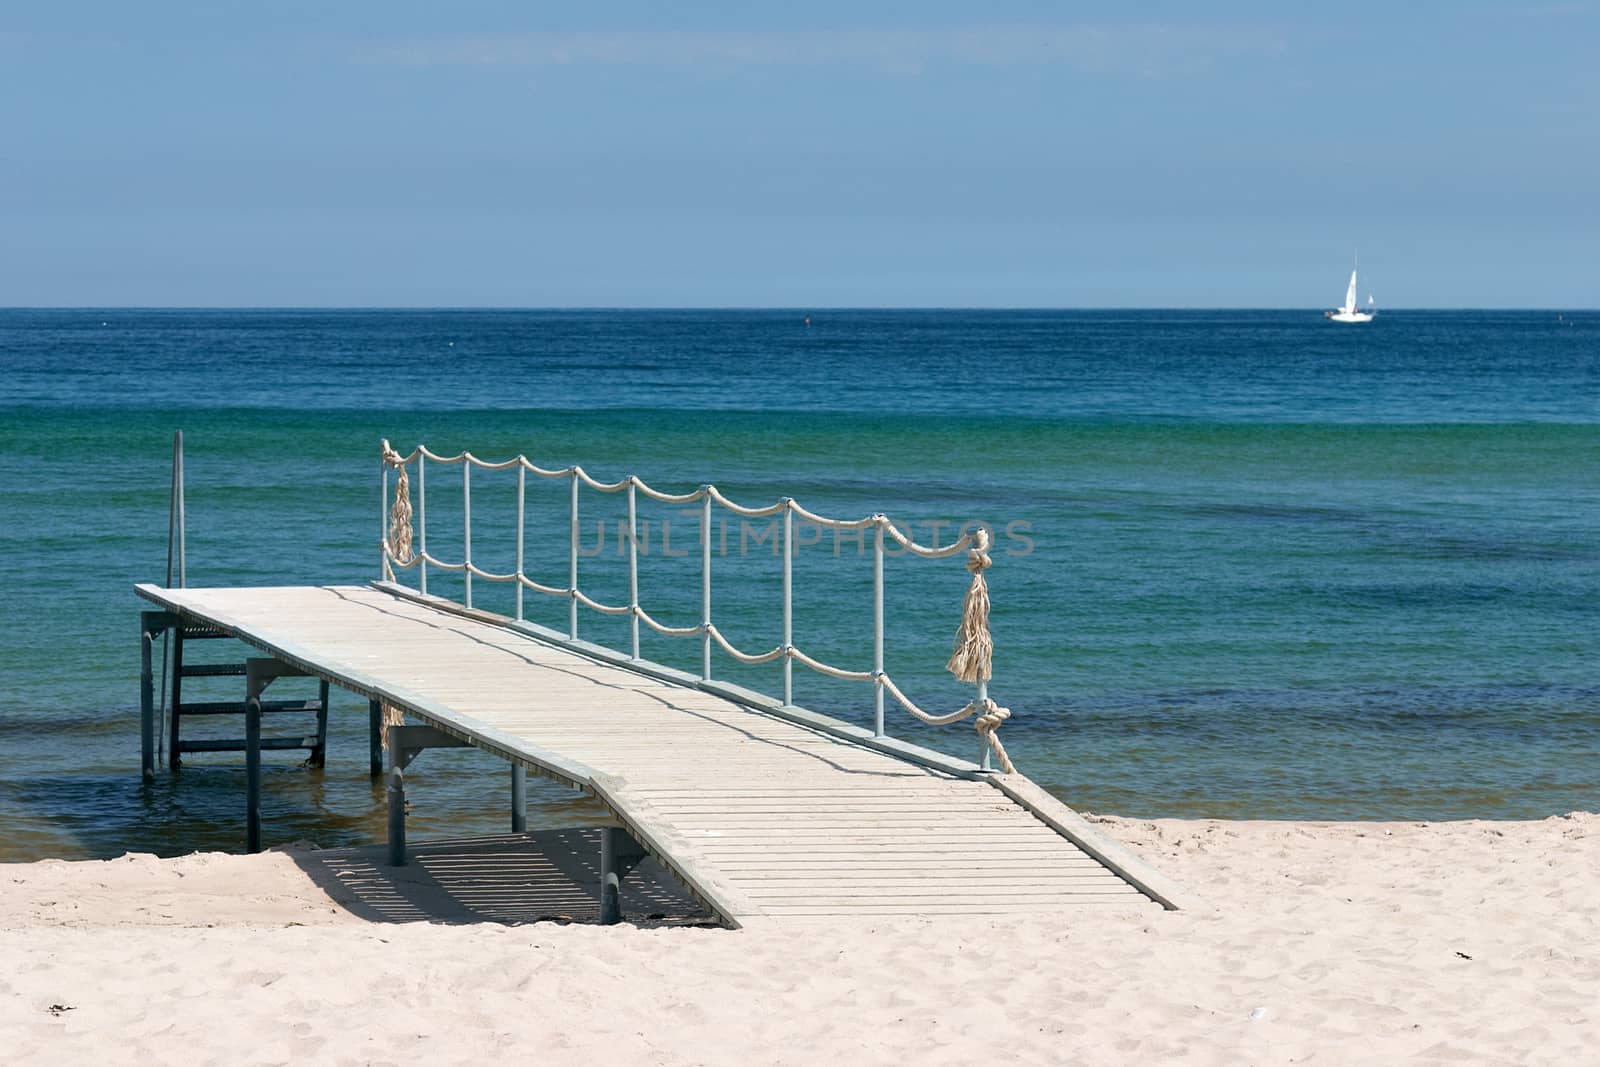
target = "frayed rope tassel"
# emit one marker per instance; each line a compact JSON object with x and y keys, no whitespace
{"x":974,"y":649}
{"x":972,"y":659}
{"x":400,"y":513}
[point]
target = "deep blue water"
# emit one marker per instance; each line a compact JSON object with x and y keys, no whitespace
{"x":1262,"y":565}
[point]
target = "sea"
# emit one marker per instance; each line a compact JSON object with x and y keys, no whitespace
{"x":1248,"y":564}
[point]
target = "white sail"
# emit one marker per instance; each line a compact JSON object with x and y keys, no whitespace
{"x":1350,"y":311}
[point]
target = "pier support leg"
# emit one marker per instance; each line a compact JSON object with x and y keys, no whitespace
{"x":176,"y":697}
{"x":319,"y":755}
{"x":406,"y":743}
{"x":395,"y":793}
{"x":151,"y":623}
{"x":147,"y":705}
{"x":252,"y":772}
{"x":619,"y":854}
{"x":258,"y":674}
{"x":375,"y":736}
{"x":519,"y":798}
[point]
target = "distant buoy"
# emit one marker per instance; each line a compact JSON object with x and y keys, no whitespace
{"x":808,"y":320}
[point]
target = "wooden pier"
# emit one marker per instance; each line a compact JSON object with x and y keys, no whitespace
{"x":760,"y":809}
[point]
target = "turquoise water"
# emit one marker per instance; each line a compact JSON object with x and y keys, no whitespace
{"x":1272,"y":568}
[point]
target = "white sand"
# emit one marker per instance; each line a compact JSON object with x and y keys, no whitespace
{"x":1324,"y":943}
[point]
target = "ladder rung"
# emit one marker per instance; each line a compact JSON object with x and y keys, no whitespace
{"x":236,"y":707}
{"x":212,"y":670}
{"x":267,"y":743}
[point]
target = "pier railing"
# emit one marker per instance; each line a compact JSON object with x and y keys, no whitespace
{"x":403,"y":548}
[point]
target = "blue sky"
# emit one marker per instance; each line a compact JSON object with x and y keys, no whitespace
{"x":825,"y":154}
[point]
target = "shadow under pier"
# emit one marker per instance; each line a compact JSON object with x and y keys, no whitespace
{"x":550,"y":875}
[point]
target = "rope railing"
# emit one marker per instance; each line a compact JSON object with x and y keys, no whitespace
{"x":970,"y":661}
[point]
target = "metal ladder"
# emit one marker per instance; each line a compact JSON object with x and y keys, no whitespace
{"x":316,"y":743}
{"x":154,"y":624}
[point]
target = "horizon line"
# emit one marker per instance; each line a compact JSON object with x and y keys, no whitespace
{"x":794,"y":308}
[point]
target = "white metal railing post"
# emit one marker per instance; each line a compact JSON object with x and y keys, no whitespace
{"x":466,"y":526}
{"x":422,"y":522}
{"x":633,"y":565}
{"x":983,"y":745}
{"x":788,"y":602}
{"x":877,"y":629}
{"x":969,"y":661}
{"x":182,"y":521}
{"x":572,"y":563}
{"x":172,"y":510}
{"x":383,"y":519}
{"x":705,"y":588}
{"x":522,"y":481}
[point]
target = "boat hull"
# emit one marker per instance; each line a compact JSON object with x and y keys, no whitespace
{"x":1348,"y":316}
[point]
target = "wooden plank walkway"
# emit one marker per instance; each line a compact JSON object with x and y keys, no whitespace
{"x":759,"y":814}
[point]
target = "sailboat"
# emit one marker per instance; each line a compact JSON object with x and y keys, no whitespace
{"x":1350,"y":312}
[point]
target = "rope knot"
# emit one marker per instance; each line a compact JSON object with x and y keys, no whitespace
{"x":990,"y":716}
{"x":978,"y":559}
{"x":399,"y":539}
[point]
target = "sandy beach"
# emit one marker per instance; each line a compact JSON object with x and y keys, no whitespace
{"x":786,"y":455}
{"x":1331,"y":943}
